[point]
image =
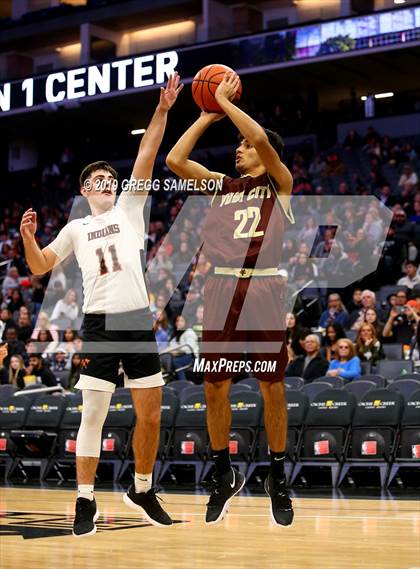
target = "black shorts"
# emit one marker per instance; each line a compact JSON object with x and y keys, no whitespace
{"x":111,"y":339}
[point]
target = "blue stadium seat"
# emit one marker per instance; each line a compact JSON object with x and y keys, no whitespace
{"x":359,"y":387}
{"x":312,"y":389}
{"x":405,"y":386}
{"x":253,"y":383}
{"x":294,"y":382}
{"x":13,"y":413}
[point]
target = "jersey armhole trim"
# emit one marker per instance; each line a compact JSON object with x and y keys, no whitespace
{"x":216,"y":192}
{"x":286,"y":210}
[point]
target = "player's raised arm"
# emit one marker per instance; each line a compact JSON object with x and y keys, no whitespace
{"x":40,"y":262}
{"x":151,"y":141}
{"x":253,"y":133}
{"x":178,"y":158}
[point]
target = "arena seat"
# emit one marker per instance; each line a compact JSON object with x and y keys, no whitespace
{"x":7,"y":391}
{"x":393,"y":351}
{"x":326,"y":432}
{"x":393,"y":368}
{"x":190,"y":438}
{"x":407,"y":454}
{"x":294,"y":382}
{"x":13,"y":413}
{"x":180,"y":384}
{"x":374,"y":432}
{"x":253,"y":383}
{"x":405,"y":386}
{"x":335,"y":382}
{"x":246,"y":406}
{"x":297,"y":406}
{"x":38,"y":439}
{"x":378,"y":380}
{"x":312,"y":389}
{"x":359,"y":387}
{"x":117,"y":431}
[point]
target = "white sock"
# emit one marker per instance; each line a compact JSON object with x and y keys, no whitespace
{"x":142,"y":482}
{"x":85,"y":491}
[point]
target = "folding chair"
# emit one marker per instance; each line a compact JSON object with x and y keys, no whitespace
{"x":13,"y":413}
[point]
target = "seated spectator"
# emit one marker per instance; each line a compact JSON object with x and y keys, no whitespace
{"x":408,"y":175}
{"x":60,"y":360}
{"x":368,"y":347}
{"x":308,"y":233}
{"x":4,"y":375}
{"x":43,"y":323}
{"x":46,"y":343}
{"x":15,"y":301}
{"x":312,"y":364}
{"x":293,"y":335}
{"x":183,"y":355}
{"x":11,"y":281}
{"x":75,"y":367}
{"x":67,"y":307}
{"x":24,"y":327}
{"x":38,"y":372}
{"x":69,"y":341}
{"x":401,"y":324}
{"x":411,"y":278}
{"x":371,"y":317}
{"x":347,"y":365}
{"x":357,"y":316}
{"x":333,"y":334}
{"x":16,"y":372}
{"x":198,"y":321}
{"x":6,"y":320}
{"x":335,"y":313}
{"x":353,"y":140}
{"x":160,"y":328}
{"x":15,"y":346}
{"x":356,"y":301}
{"x":303,"y":271}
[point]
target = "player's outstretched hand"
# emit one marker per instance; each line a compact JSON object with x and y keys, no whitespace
{"x":169,"y":94}
{"x":28,"y":224}
{"x":228,"y":86}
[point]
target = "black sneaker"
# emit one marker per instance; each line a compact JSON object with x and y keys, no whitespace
{"x":86,"y":515}
{"x":148,"y":505}
{"x":224,"y":488}
{"x":281,"y":508}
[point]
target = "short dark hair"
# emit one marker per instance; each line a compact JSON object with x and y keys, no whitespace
{"x":414,"y":263}
{"x":275,"y":139}
{"x":99,"y":165}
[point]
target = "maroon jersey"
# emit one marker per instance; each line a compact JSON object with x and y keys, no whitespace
{"x":245,"y":225}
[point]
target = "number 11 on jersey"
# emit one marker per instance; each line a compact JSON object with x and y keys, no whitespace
{"x":103,"y":269}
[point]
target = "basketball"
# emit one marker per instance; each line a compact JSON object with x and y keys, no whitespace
{"x":204,"y":86}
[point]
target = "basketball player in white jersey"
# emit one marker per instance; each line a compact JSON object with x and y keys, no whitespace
{"x":107,"y":247}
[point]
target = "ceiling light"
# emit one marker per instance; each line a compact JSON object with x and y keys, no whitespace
{"x":138,"y":131}
{"x":379,"y":96}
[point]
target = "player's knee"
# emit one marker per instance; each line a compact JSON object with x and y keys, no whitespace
{"x":215,"y":391}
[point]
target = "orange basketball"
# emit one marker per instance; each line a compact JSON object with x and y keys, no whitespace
{"x":204,"y":86}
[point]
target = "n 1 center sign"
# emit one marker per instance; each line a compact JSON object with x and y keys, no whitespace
{"x":130,"y":73}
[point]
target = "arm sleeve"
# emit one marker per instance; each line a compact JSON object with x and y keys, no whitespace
{"x":62,"y":245}
{"x":133,"y":204}
{"x":353,"y":369}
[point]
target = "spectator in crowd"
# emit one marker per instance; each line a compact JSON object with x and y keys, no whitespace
{"x":303,"y":271}
{"x":198,"y":321}
{"x":11,"y":280}
{"x":46,"y":343}
{"x":356,"y":301}
{"x":289,"y":250}
{"x":336,"y":312}
{"x":412,"y":278}
{"x":333,"y":334}
{"x":15,"y":301}
{"x":60,"y":360}
{"x":373,"y":226}
{"x":400,"y":324}
{"x":312,"y":364}
{"x":4,"y":375}
{"x":353,"y":140}
{"x":293,"y":336}
{"x":347,"y":365}
{"x":75,"y":367}
{"x":160,"y":328}
{"x":16,"y":370}
{"x":408,"y":175}
{"x":43,"y":323}
{"x":308,"y":233}
{"x":67,"y":307}
{"x":69,"y":341}
{"x":368,"y":347}
{"x":357,"y":316}
{"x":24,"y":326}
{"x":6,"y":320}
{"x":38,"y":372}
{"x":15,"y":346}
{"x":184,"y":341}
{"x":371,"y":317}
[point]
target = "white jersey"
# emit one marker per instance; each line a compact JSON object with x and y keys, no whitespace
{"x":107,"y":248}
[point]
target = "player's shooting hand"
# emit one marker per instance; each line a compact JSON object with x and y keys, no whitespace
{"x":212,"y":117}
{"x":28,"y":224}
{"x":227,"y":87}
{"x":169,"y":94}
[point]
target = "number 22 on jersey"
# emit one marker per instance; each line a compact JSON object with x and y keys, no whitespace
{"x":243,"y":216}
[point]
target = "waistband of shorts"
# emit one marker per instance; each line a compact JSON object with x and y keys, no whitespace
{"x":246,"y":273}
{"x":117,"y":315}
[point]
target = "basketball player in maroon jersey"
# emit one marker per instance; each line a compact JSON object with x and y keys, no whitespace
{"x":242,"y":237}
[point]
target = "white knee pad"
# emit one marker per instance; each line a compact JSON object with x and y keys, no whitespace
{"x":95,"y":410}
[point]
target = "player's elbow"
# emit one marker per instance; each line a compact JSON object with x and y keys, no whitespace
{"x":260,"y":138}
{"x":172,"y":161}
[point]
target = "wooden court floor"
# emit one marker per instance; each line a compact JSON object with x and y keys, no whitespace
{"x":35,"y":533}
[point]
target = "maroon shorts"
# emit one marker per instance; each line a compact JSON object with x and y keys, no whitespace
{"x":244,"y":328}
